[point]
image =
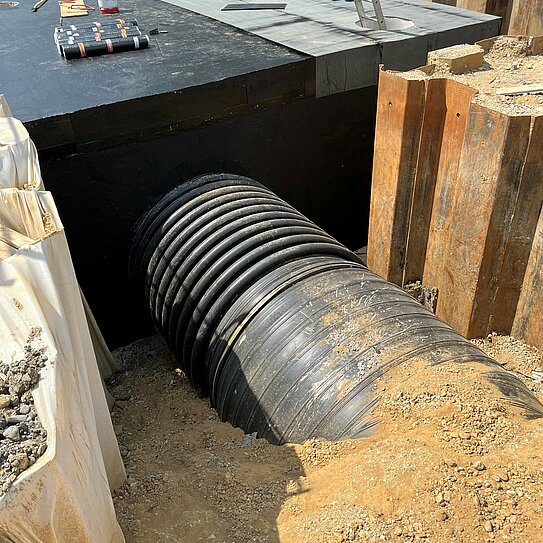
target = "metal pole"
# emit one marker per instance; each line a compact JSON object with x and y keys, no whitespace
{"x":369,"y":22}
{"x":361,"y":12}
{"x":379,"y":14}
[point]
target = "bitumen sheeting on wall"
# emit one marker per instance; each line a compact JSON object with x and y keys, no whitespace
{"x":261,"y":58}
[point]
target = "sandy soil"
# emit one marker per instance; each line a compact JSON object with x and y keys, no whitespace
{"x":450,"y":461}
{"x":508,"y":63}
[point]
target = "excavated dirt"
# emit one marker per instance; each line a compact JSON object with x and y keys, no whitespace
{"x":450,"y":461}
{"x":508,"y":63}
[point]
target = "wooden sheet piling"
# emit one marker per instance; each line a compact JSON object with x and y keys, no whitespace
{"x":399,"y":116}
{"x":457,"y":101}
{"x":528,"y":323}
{"x":487,"y":187}
{"x":522,"y":231}
{"x":456,"y":200}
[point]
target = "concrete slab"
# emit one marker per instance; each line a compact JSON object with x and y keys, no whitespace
{"x":201,"y":71}
{"x":39,"y":83}
{"x":347,"y":55}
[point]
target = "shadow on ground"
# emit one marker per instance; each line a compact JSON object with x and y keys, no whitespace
{"x":191,"y":477}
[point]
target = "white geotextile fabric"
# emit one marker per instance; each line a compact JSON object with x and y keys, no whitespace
{"x":20,"y":169}
{"x":5,"y":110}
{"x":17,"y":210}
{"x":66,"y":495}
{"x":19,"y":165}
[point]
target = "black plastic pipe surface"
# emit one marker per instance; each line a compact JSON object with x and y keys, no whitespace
{"x":283,"y":327}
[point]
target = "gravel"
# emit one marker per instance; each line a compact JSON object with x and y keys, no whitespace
{"x":22,"y":436}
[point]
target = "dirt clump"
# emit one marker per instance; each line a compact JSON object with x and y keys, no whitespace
{"x":191,"y":477}
{"x":451,"y":460}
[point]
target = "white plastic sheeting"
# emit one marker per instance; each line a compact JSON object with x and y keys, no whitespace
{"x":19,"y":165}
{"x":66,"y":495}
{"x":20,"y":169}
{"x":5,"y":110}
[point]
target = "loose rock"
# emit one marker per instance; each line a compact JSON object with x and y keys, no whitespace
{"x":25,"y":437}
{"x":12,"y":433}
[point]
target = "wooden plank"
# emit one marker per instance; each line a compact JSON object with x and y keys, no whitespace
{"x":526,"y":18}
{"x":487,"y":44}
{"x":498,"y":7}
{"x":528,"y":324}
{"x":501,"y":8}
{"x":460,"y":58}
{"x":536,"y":88}
{"x":425,"y":179}
{"x":457,"y":105}
{"x":488,"y":181}
{"x":523,"y":227}
{"x":493,"y":7}
{"x":537,"y":45}
{"x":427,"y":69}
{"x":72,"y":8}
{"x":446,"y":109}
{"x":474,"y":5}
{"x":400,"y":108}
{"x":506,"y":19}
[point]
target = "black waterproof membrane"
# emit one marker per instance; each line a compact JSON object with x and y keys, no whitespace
{"x":282,"y":326}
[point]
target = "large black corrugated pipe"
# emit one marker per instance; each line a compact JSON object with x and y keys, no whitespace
{"x":284,"y":328}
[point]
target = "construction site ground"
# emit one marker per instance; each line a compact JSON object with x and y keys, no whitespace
{"x":508,"y":63}
{"x":449,"y":461}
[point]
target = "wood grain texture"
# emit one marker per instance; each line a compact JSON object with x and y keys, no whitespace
{"x":523,"y":227}
{"x":536,"y":88}
{"x":400,"y":109}
{"x":488,"y":181}
{"x":465,"y":63}
{"x":528,"y":323}
{"x":457,"y":102}
{"x":474,"y":5}
{"x":431,"y":139}
{"x":493,"y":7}
{"x":537,"y":45}
{"x":73,"y":8}
{"x":447,"y":105}
{"x":487,"y":44}
{"x":501,"y":8}
{"x":526,"y":18}
{"x":460,"y":59}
